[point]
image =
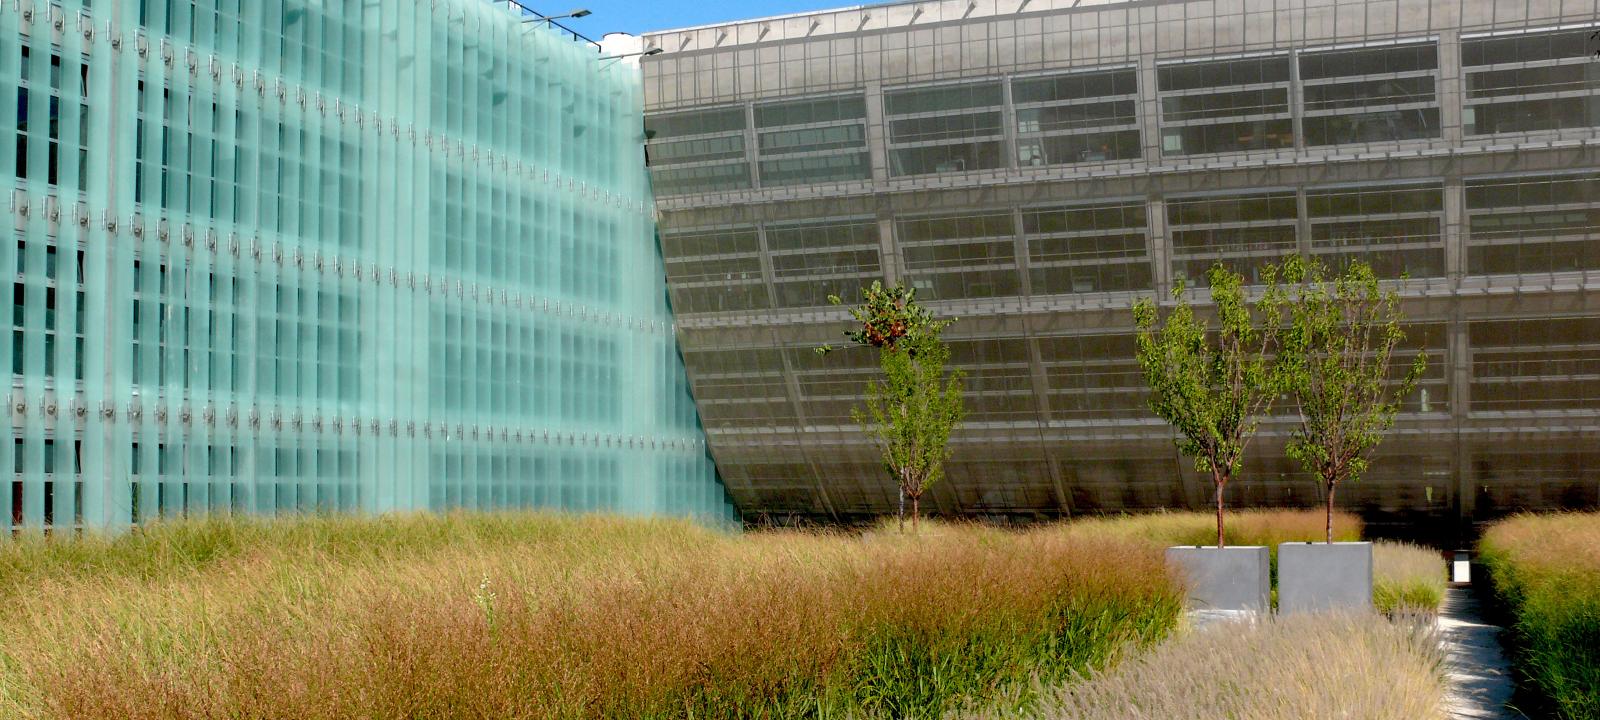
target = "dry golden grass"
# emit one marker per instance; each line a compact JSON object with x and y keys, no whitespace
{"x":1243,"y":527}
{"x":1293,"y":668}
{"x":1546,"y":571}
{"x":1407,"y":578}
{"x":519,"y":616}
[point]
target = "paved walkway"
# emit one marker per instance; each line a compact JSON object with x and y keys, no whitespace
{"x":1480,"y":677}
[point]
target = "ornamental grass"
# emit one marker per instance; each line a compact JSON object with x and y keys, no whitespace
{"x":543,"y":616}
{"x":1242,"y":527}
{"x":1545,"y":571}
{"x":1290,"y":668}
{"x":1407,"y":578}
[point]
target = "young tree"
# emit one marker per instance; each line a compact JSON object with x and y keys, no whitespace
{"x":912,"y":409}
{"x":910,"y":414}
{"x":1212,"y":387}
{"x":1336,"y":365}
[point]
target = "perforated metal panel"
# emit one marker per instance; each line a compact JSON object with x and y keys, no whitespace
{"x":1036,"y":166}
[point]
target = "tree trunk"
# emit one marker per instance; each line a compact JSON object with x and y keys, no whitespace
{"x":1220,"y":480}
{"x":916,"y":513}
{"x":1331,"y":486}
{"x":903,"y":501}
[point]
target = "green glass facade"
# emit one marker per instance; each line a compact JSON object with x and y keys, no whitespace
{"x":360,"y":255}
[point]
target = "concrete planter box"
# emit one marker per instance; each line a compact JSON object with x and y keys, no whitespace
{"x":1230,"y":578}
{"x":1320,"y":576}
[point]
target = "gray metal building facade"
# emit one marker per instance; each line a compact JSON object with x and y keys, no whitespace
{"x":1034,"y":166}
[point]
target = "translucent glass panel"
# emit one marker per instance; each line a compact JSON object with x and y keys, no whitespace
{"x":290,"y":256}
{"x":1533,"y":224}
{"x":813,"y":140}
{"x":1397,"y":229}
{"x":1542,"y":364}
{"x":1365,"y":95}
{"x":945,"y":129}
{"x":1225,"y":106}
{"x":1081,"y":117}
{"x":970,"y":255}
{"x":1529,"y":82}
{"x":812,"y":260}
{"x":698,"y":152}
{"x":1243,"y":232}
{"x":1102,"y":247}
{"x":715,"y":270}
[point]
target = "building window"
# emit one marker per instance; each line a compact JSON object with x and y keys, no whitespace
{"x":1077,"y":118}
{"x":1395,"y":228}
{"x":814,"y":140}
{"x":998,"y":384}
{"x":41,"y":309}
{"x":1532,"y":82}
{"x":714,"y":270}
{"x":1243,"y":232}
{"x":1225,"y":106}
{"x":1532,"y":365}
{"x":813,"y":260}
{"x":697,"y":152}
{"x":1538,"y":224}
{"x":952,"y":257}
{"x":946,"y":129}
{"x":1087,"y":248}
{"x":49,"y":115}
{"x":1370,"y":95}
{"x":1093,"y":377}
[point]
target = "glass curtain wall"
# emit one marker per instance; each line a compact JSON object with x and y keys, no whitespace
{"x":364,"y":256}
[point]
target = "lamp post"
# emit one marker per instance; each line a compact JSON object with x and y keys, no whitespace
{"x":552,"y":20}
{"x":579,"y":13}
{"x":641,"y":53}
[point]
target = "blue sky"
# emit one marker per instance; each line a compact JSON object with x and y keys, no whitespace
{"x":637,"y":16}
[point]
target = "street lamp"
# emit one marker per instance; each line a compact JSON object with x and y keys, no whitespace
{"x":551,"y":20}
{"x":579,"y":13}
{"x":641,"y":53}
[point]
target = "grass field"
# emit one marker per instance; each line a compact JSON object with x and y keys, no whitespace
{"x":548,"y":616}
{"x":508,"y":616}
{"x":1294,"y":668}
{"x":1546,"y":572}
